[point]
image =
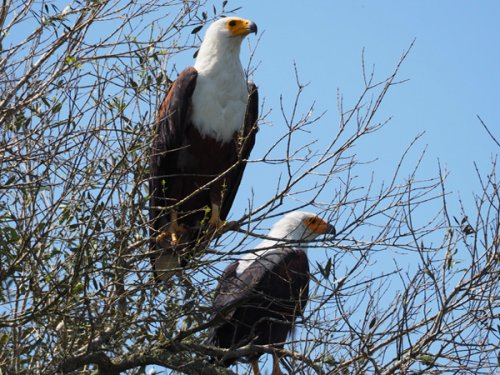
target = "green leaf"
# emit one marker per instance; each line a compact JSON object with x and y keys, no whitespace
{"x":426,"y":359}
{"x":10,"y":180}
{"x":196,"y":29}
{"x":70,"y":60}
{"x":77,"y":288}
{"x":4,"y":338}
{"x":10,"y":235}
{"x":57,"y":107}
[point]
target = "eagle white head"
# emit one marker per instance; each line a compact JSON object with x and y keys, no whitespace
{"x":221,"y":94}
{"x":300,"y":226}
{"x":222,"y":41}
{"x":296,"y":226}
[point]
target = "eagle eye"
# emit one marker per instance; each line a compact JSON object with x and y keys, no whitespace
{"x":232,"y":23}
{"x":311,"y":221}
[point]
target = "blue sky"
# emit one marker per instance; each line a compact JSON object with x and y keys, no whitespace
{"x":453,"y":74}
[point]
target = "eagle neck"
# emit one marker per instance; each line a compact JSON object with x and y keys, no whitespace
{"x":274,"y":250}
{"x":221,"y":94}
{"x":216,"y":56}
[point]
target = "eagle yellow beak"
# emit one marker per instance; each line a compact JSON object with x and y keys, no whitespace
{"x":241,"y":27}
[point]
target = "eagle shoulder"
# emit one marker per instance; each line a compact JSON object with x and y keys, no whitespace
{"x":174,"y":111}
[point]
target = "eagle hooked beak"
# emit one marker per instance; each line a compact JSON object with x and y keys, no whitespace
{"x":330,"y":229}
{"x":252,"y":28}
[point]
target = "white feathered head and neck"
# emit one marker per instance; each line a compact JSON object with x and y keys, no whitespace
{"x":296,"y":228}
{"x":221,"y":93}
{"x":222,"y":42}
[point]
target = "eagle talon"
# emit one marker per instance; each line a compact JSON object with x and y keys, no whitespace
{"x":230,"y":225}
{"x":216,"y":224}
{"x":222,"y":227}
{"x":172,"y":234}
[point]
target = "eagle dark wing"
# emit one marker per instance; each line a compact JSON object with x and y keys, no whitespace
{"x":173,"y":112}
{"x":233,"y":288}
{"x":168,"y":135}
{"x":260,"y":278}
{"x":262,"y":302}
{"x":246,"y":142}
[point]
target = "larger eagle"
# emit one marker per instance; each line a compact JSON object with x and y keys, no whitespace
{"x":204,"y":132}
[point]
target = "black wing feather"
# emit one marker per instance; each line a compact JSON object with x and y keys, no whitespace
{"x":168,"y":133}
{"x":171,"y":120}
{"x":263,"y":302}
{"x":233,"y":288}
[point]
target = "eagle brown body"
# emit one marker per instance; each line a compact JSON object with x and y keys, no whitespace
{"x":259,"y":297}
{"x":267,"y":302}
{"x":194,"y":174}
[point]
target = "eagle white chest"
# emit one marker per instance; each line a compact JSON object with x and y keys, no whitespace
{"x":219,"y":102}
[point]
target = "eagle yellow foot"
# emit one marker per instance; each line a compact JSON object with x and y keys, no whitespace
{"x":221,"y":226}
{"x":216,"y":224}
{"x":172,"y":234}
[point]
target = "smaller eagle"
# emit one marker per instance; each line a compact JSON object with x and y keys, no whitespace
{"x":259,"y":297}
{"x":204,"y":133}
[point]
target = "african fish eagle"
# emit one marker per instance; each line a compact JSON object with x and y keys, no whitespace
{"x":204,"y":131}
{"x":259,"y":297}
